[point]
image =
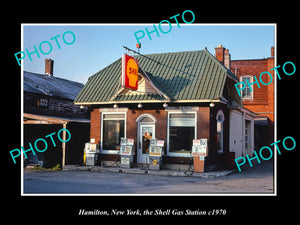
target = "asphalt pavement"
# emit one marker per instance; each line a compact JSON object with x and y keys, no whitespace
{"x":252,"y":180}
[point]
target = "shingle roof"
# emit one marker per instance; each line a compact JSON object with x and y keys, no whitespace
{"x":51,"y":86}
{"x":180,"y":76}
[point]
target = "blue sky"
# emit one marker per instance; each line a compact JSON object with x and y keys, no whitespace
{"x":96,"y":46}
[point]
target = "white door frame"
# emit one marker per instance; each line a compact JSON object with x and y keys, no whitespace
{"x":142,"y":158}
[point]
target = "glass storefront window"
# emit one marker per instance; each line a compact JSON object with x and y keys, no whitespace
{"x":113,"y":130}
{"x":181,"y":132}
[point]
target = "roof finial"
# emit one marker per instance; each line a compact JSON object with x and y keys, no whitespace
{"x":138,"y":46}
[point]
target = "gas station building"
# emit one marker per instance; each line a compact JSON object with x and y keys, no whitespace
{"x":180,"y":97}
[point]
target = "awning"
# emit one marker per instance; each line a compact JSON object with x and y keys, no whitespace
{"x":39,"y":119}
{"x":42,"y":119}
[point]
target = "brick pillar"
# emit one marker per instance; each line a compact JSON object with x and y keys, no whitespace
{"x":95,"y":127}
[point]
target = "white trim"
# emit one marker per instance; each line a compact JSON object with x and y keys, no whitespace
{"x":139,"y":124}
{"x":140,"y":156}
{"x":149,"y":101}
{"x":220,"y":112}
{"x":146,"y":115}
{"x":147,"y":80}
{"x":182,"y":108}
{"x":178,"y":154}
{"x":103,"y":151}
{"x":123,"y":109}
{"x":251,"y":81}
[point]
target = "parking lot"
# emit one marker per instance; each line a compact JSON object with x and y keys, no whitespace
{"x":258,"y":179}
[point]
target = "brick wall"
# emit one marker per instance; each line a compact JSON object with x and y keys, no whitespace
{"x":203,"y":119}
{"x":270,"y":65}
{"x":131,"y":130}
{"x":253,"y":67}
{"x":95,"y":127}
{"x":161,"y":116}
{"x":263,"y":97}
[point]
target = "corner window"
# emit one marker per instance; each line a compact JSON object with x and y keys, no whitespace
{"x":113,"y":130}
{"x":182,"y":131}
{"x":246,"y":93}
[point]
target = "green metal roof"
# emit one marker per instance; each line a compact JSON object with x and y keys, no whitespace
{"x":180,"y":76}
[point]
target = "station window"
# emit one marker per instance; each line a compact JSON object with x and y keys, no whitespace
{"x":113,"y":130}
{"x":181,"y":132}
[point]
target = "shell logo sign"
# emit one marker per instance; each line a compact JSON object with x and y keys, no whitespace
{"x":130,"y":69}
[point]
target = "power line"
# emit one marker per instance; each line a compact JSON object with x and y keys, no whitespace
{"x":159,"y":63}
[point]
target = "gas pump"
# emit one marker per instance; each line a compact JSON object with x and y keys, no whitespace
{"x":199,"y":151}
{"x":90,"y":157}
{"x":155,"y":154}
{"x":126,"y":152}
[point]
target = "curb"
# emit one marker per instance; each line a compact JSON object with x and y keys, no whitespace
{"x":212,"y":174}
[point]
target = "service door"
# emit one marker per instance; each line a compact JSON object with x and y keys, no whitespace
{"x":236,"y":133}
{"x":146,"y":132}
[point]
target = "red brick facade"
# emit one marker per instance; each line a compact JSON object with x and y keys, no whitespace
{"x":262,"y":103}
{"x":263,"y":98}
{"x":206,"y":128}
{"x":95,"y":128}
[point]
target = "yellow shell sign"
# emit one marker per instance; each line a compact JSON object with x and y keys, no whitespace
{"x":130,"y":69}
{"x":154,"y":162}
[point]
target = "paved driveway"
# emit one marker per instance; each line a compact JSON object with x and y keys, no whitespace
{"x":258,"y":179}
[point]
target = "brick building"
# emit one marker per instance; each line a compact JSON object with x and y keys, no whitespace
{"x":181,"y":96}
{"x":259,"y":100}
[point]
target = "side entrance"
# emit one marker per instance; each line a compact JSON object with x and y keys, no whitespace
{"x":146,"y":131}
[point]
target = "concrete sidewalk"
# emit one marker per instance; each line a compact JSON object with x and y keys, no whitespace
{"x":137,"y":170}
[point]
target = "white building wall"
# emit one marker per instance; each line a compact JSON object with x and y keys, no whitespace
{"x":251,"y":119}
{"x":236,"y":133}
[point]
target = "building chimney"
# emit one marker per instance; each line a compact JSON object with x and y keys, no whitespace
{"x":49,"y":67}
{"x":220,"y":53}
{"x":227,"y":59}
{"x":223,"y":56}
{"x":272,"y":51}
